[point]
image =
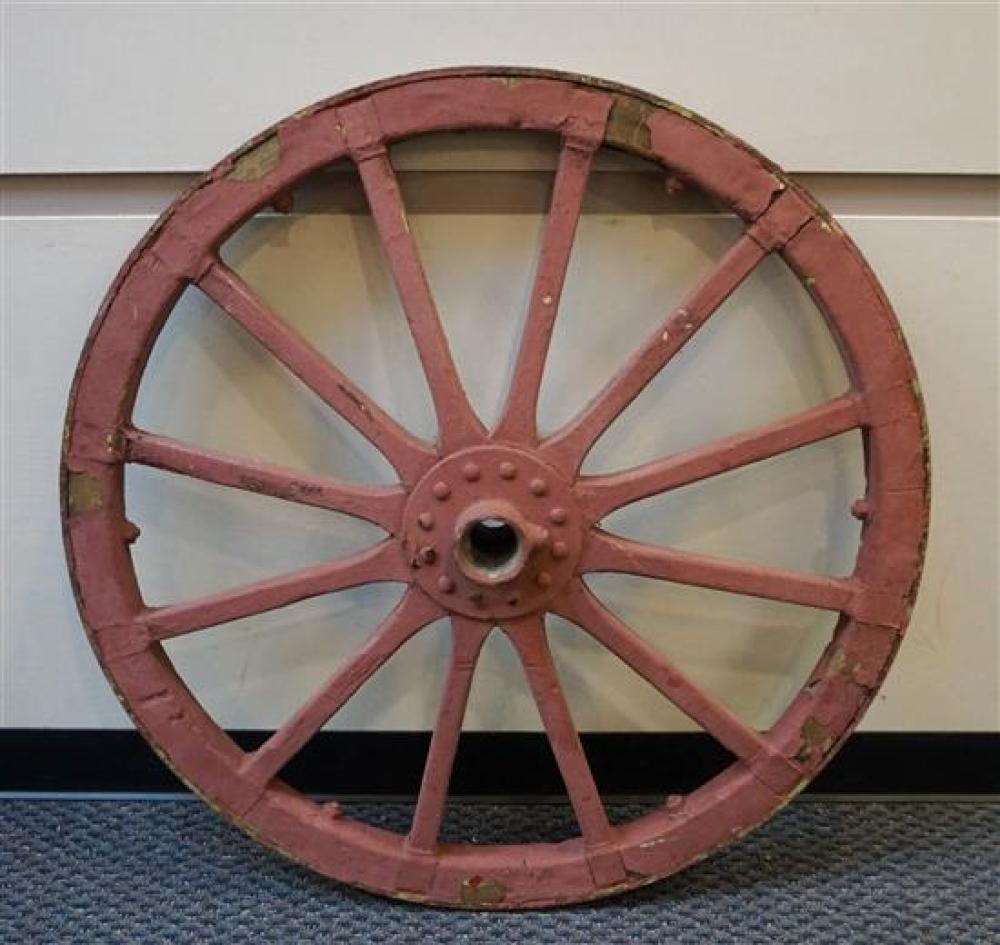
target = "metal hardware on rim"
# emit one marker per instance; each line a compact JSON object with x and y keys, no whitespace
{"x":495,"y":528}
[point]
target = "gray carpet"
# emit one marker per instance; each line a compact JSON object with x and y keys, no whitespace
{"x":821,"y":872}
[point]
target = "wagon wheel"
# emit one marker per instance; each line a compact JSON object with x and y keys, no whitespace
{"x":495,"y":528}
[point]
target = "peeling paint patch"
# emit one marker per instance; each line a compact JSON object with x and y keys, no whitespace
{"x":83,"y":494}
{"x":258,"y":162}
{"x":814,"y":739}
{"x":477,"y":891}
{"x":627,"y":126}
{"x":812,"y":732}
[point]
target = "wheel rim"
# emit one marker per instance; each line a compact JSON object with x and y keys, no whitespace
{"x":496,"y":527}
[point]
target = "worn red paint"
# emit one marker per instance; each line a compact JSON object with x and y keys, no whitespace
{"x":538,"y":482}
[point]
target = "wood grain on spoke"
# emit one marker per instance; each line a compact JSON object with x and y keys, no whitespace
{"x":579,"y":605}
{"x":569,"y":446}
{"x":519,"y":415}
{"x":601,"y":495}
{"x":382,"y":562}
{"x":458,"y":424}
{"x":607,"y":552}
{"x":529,"y":639}
{"x":410,"y":615}
{"x":381,"y":505}
{"x":409,"y":456}
{"x":467,"y":638}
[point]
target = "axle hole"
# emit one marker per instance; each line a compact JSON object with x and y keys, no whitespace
{"x":491,"y":543}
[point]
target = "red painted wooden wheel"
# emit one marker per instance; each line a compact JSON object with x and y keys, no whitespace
{"x":497,"y":527}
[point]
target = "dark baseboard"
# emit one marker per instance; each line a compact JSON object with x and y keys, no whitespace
{"x":496,"y":763}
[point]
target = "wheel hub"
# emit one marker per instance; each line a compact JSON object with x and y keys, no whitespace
{"x":492,"y":532}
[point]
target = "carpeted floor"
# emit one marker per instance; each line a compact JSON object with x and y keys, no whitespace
{"x":170,"y":871}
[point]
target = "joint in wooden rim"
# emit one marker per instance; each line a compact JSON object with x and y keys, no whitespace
{"x":362,"y":130}
{"x":780,"y":221}
{"x":584,"y":128}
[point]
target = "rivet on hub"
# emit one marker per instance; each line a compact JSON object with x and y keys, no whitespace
{"x":508,"y":470}
{"x":559,"y":549}
{"x":538,"y":487}
{"x":426,"y":521}
{"x":445,"y":584}
{"x":558,"y":516}
{"x":441,"y":490}
{"x":544,"y":579}
{"x":427,"y":554}
{"x":471,"y":472}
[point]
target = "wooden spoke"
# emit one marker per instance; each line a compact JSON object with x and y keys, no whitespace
{"x":410,"y":615}
{"x":601,"y":495}
{"x":409,"y":456}
{"x":518,"y":417}
{"x":569,"y":446}
{"x":529,"y":639}
{"x":606,"y":552}
{"x":578,"y":605}
{"x":382,"y":506}
{"x":467,"y":638}
{"x":458,"y":424}
{"x":383,"y":562}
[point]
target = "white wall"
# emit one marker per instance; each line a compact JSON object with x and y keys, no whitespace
{"x":836,"y":94}
{"x":140,"y":87}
